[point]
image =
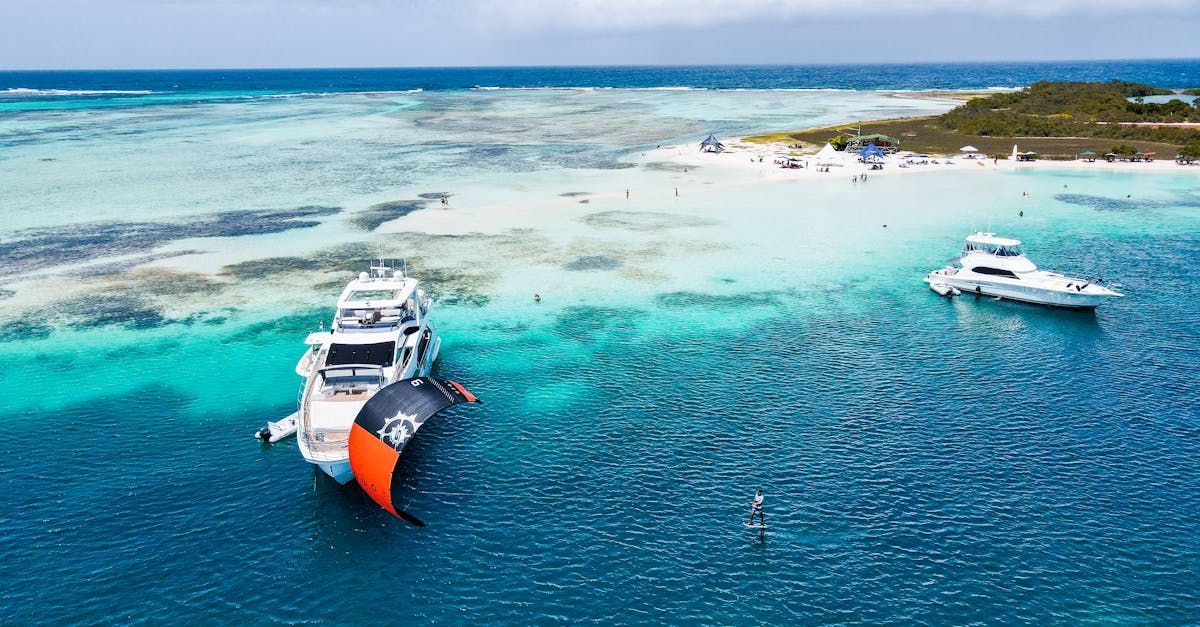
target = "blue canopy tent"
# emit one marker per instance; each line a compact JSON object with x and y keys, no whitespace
{"x":871,"y":153}
{"x":711,"y":144}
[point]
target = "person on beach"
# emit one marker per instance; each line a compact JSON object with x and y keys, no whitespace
{"x":627,"y":193}
{"x":756,"y":508}
{"x":677,"y":192}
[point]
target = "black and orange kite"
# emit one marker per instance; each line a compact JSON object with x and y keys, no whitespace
{"x":386,"y":423}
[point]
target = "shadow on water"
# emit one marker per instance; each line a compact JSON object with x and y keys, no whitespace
{"x":1039,"y":316}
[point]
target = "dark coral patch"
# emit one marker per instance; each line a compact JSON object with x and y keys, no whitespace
{"x":664,"y":166}
{"x":17,"y":330}
{"x":644,"y":221}
{"x":37,"y":249}
{"x":587,"y":323}
{"x":372,"y":217}
{"x":271,"y":266}
{"x":711,"y":301}
{"x":1104,"y":203}
{"x":589,"y":263}
{"x":113,"y":309}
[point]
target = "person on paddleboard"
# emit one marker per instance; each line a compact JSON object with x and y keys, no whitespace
{"x":756,"y":508}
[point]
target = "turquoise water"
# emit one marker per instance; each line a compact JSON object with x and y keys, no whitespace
{"x":924,"y":460}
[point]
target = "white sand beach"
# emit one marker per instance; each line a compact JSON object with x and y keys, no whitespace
{"x":759,"y":161}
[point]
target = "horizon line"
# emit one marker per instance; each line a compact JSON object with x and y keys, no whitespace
{"x":590,"y":65}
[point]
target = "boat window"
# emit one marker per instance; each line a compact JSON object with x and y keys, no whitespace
{"x":422,"y":345}
{"x":379,"y":354}
{"x":361,"y":295}
{"x":981,"y":247}
{"x":993,"y":271}
{"x":403,"y":355}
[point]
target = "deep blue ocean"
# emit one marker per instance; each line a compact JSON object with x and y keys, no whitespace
{"x":169,"y":238}
{"x":1166,"y":73}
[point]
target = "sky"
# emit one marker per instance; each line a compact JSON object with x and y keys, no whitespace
{"x":110,"y":34}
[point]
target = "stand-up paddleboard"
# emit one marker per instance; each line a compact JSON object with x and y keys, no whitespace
{"x":753,"y":526}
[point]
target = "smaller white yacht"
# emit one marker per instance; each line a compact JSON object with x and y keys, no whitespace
{"x":380,"y":334}
{"x":997,"y":266}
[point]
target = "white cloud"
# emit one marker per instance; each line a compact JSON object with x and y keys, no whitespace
{"x":640,"y":15}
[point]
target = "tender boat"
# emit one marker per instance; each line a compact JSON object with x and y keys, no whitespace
{"x":940,"y":286}
{"x":380,"y":334}
{"x":278,"y":430}
{"x":997,"y":266}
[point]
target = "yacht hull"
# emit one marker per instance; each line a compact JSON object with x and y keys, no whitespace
{"x":338,"y":471}
{"x":1049,"y":298}
{"x":997,"y":266}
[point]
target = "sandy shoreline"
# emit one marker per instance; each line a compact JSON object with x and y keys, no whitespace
{"x":758,"y":159}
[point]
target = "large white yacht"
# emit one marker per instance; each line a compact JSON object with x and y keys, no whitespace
{"x":380,"y":334}
{"x":997,"y":266}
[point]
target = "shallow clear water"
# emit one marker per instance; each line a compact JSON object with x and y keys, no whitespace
{"x":924,"y":460}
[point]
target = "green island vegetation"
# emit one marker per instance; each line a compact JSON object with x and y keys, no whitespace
{"x":1054,"y":119}
{"x":1190,"y":152}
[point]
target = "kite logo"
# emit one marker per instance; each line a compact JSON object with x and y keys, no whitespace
{"x":398,"y":429}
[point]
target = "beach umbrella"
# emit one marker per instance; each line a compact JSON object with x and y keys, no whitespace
{"x":968,"y":149}
{"x":386,"y":423}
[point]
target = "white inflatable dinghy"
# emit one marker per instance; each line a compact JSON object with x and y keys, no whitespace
{"x":939,"y":285}
{"x":278,"y":430}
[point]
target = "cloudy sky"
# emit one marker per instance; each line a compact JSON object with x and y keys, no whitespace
{"x":360,"y":33}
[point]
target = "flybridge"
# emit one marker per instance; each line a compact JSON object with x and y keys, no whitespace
{"x":989,"y":243}
{"x":382,"y":299}
{"x":991,"y":238}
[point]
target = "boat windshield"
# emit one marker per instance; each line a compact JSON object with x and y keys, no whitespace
{"x":379,"y":354}
{"x":351,"y":377}
{"x":365,"y":295}
{"x":995,"y":249}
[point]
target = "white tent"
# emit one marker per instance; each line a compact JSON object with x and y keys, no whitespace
{"x":829,"y":156}
{"x":968,"y":149}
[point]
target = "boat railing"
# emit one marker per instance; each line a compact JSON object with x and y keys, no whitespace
{"x":363,"y":323}
{"x":329,"y":444}
{"x":326,"y":444}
